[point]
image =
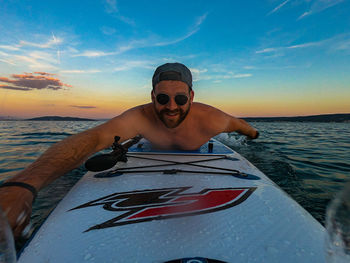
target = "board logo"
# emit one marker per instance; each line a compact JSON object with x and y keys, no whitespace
{"x":158,"y":204}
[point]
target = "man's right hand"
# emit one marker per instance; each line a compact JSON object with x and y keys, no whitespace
{"x":16,"y":204}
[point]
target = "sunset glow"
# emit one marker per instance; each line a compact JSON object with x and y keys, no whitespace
{"x":262,"y":58}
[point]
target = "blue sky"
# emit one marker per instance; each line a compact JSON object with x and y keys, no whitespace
{"x":250,"y":58}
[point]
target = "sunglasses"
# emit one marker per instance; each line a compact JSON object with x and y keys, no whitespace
{"x":180,"y":99}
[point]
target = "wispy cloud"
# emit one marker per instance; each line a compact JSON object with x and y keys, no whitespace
{"x":127,"y":65}
{"x":7,"y":47}
{"x":49,"y":44}
{"x":144,"y":43}
{"x":197,"y":73}
{"x":83,"y":107}
{"x":94,"y":54}
{"x":7,"y":62}
{"x":108,"y":30}
{"x":36,"y":56}
{"x":315,"y":6}
{"x":265,"y":50}
{"x":32,"y":81}
{"x":216,"y":75}
{"x":299,"y":46}
{"x":193,"y":30}
{"x":111,"y":6}
{"x":239,"y":76}
{"x":278,"y":7}
{"x":37,"y":60}
{"x":318,"y":6}
{"x":112,"y":9}
{"x":309,"y":44}
{"x":342,"y":45}
{"x":79,"y":71}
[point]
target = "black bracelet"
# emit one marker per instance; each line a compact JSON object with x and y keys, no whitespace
{"x":24,"y":185}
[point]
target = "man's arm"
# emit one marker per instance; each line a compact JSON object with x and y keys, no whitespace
{"x":16,"y":201}
{"x":242,"y":127}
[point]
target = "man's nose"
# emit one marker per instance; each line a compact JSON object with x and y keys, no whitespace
{"x":172,"y":104}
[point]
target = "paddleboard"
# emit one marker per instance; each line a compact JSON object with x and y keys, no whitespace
{"x":209,"y":205}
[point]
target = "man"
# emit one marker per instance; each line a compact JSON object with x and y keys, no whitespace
{"x":171,"y":121}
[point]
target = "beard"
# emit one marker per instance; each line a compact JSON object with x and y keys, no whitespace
{"x":173,"y":122}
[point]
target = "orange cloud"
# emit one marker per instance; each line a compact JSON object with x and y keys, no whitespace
{"x":31,"y":81}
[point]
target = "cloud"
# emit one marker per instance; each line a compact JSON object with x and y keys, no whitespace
{"x":108,"y":30}
{"x":112,"y":9}
{"x":37,"y":60}
{"x":299,"y":46}
{"x":319,"y":6}
{"x":111,"y":6}
{"x":127,"y":65}
{"x":83,"y":107}
{"x":79,"y":71}
{"x":265,"y":50}
{"x":7,"y":47}
{"x":7,"y":62}
{"x":143,"y":43}
{"x":238,"y":76}
{"x":191,"y":32}
{"x":278,"y":7}
{"x":127,"y":20}
{"x":197,"y":74}
{"x":309,"y":44}
{"x":32,"y":81}
{"x":94,"y":54}
{"x":342,"y":45}
{"x":49,"y":44}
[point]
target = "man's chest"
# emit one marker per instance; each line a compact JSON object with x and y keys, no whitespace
{"x":186,"y":139}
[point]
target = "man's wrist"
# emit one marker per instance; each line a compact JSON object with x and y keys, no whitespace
{"x":22,"y":185}
{"x":256,"y":135}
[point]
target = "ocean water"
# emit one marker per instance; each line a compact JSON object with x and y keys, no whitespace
{"x":310,"y":161}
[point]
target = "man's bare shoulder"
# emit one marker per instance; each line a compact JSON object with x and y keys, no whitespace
{"x":137,"y":112}
{"x":211,"y":119}
{"x":204,"y":109}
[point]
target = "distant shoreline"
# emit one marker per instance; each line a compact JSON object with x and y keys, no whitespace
{"x":312,"y":118}
{"x":50,"y":118}
{"x":343,"y":118}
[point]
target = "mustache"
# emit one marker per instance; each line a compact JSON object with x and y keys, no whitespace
{"x":170,"y":111}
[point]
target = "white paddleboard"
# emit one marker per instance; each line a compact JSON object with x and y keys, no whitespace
{"x":209,"y":205}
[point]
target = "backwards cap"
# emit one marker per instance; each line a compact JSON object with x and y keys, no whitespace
{"x":172,"y":71}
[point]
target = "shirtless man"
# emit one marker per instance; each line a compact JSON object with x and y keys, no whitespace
{"x":171,"y":121}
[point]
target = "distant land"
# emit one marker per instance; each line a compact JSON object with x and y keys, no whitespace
{"x":58,"y":118}
{"x":313,"y":118}
{"x":345,"y":117}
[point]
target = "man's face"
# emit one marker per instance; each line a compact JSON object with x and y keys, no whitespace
{"x":172,"y":114}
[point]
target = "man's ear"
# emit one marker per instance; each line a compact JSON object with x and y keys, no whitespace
{"x":191,"y":96}
{"x":153,"y":96}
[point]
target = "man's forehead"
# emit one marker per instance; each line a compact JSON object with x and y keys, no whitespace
{"x":174,"y":86}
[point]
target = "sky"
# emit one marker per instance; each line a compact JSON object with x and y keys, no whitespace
{"x":96,"y":59}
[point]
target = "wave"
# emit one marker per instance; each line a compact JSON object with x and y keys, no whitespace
{"x":39,"y":134}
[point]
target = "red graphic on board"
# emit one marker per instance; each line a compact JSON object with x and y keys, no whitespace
{"x":156,"y":204}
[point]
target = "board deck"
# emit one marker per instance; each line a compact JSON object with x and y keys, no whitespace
{"x":162,"y":206}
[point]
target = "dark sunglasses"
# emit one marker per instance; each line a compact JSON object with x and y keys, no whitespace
{"x":180,"y":99}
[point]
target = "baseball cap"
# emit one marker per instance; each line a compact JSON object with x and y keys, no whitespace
{"x":172,"y":71}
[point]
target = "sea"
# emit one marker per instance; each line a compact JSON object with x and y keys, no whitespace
{"x":310,"y":161}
